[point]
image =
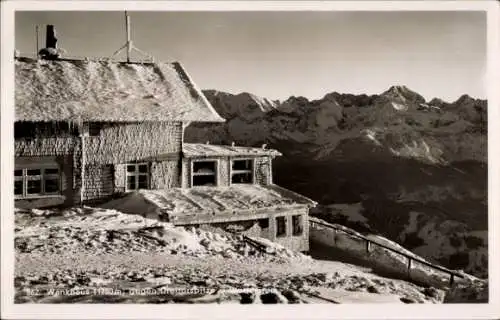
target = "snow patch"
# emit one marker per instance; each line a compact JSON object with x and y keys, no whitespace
{"x":399,"y":107}
{"x":371,"y":134}
{"x":351,"y":211}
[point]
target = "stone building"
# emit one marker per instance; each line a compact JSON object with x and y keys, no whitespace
{"x":91,"y":131}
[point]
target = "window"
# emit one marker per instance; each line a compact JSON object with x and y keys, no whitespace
{"x":37,"y":181}
{"x":264,"y":223}
{"x":280,"y":226}
{"x":297,"y":225}
{"x":204,"y":173}
{"x":95,"y":128}
{"x":137,"y":176}
{"x":242,"y":171}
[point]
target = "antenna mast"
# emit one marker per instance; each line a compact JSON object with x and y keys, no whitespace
{"x":36,"y":33}
{"x":128,"y":44}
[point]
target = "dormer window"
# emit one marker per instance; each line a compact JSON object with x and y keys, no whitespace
{"x":242,"y":171}
{"x":204,"y":173}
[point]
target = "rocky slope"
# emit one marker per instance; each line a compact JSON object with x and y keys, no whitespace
{"x":415,"y":170}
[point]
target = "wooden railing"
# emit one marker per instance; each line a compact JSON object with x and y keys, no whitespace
{"x":370,"y":242}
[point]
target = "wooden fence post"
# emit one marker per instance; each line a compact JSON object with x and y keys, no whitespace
{"x":409,"y":267}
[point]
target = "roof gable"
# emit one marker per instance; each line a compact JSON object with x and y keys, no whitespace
{"x":84,"y":90}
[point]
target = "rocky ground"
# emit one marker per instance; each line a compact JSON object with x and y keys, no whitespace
{"x":95,"y":256}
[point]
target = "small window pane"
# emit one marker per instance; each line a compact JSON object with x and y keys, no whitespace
{"x":51,"y":171}
{"x":51,"y":185}
{"x":297,"y":225}
{"x":18,"y":173}
{"x":34,"y":186}
{"x":205,"y":180}
{"x":95,"y":128}
{"x":242,"y":178}
{"x":131,"y":168}
{"x":242,"y":165}
{"x":34,"y":172}
{"x":264,"y":223}
{"x":204,"y":167}
{"x":131,"y":182}
{"x":143,"y":182}
{"x":18,"y":187}
{"x":143,"y":168}
{"x":281,"y":226}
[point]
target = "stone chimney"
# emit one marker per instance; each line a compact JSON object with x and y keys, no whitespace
{"x":50,"y":52}
{"x":51,"y":40}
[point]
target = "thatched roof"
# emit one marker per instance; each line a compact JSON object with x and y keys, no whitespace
{"x":192,"y":150}
{"x":83,"y":90}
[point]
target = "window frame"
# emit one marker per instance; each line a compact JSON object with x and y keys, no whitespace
{"x":42,"y":177}
{"x":232,"y":171}
{"x":192,"y":174}
{"x":285,"y":222}
{"x":136,"y":174}
{"x":95,"y":129}
{"x":300,"y":219}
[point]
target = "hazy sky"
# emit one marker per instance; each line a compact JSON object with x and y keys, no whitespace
{"x":279,"y":54}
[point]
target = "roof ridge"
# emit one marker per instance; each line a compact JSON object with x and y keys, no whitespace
{"x":60,"y":90}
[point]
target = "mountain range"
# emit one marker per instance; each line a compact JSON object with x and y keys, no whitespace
{"x":393,"y":164}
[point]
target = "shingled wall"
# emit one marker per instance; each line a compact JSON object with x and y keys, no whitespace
{"x":165,"y":174}
{"x":105,"y":156}
{"x":99,"y":182}
{"x":122,"y":143}
{"x":157,"y":143}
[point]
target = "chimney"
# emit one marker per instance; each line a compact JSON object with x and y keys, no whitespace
{"x":50,"y":52}
{"x":51,"y":40}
